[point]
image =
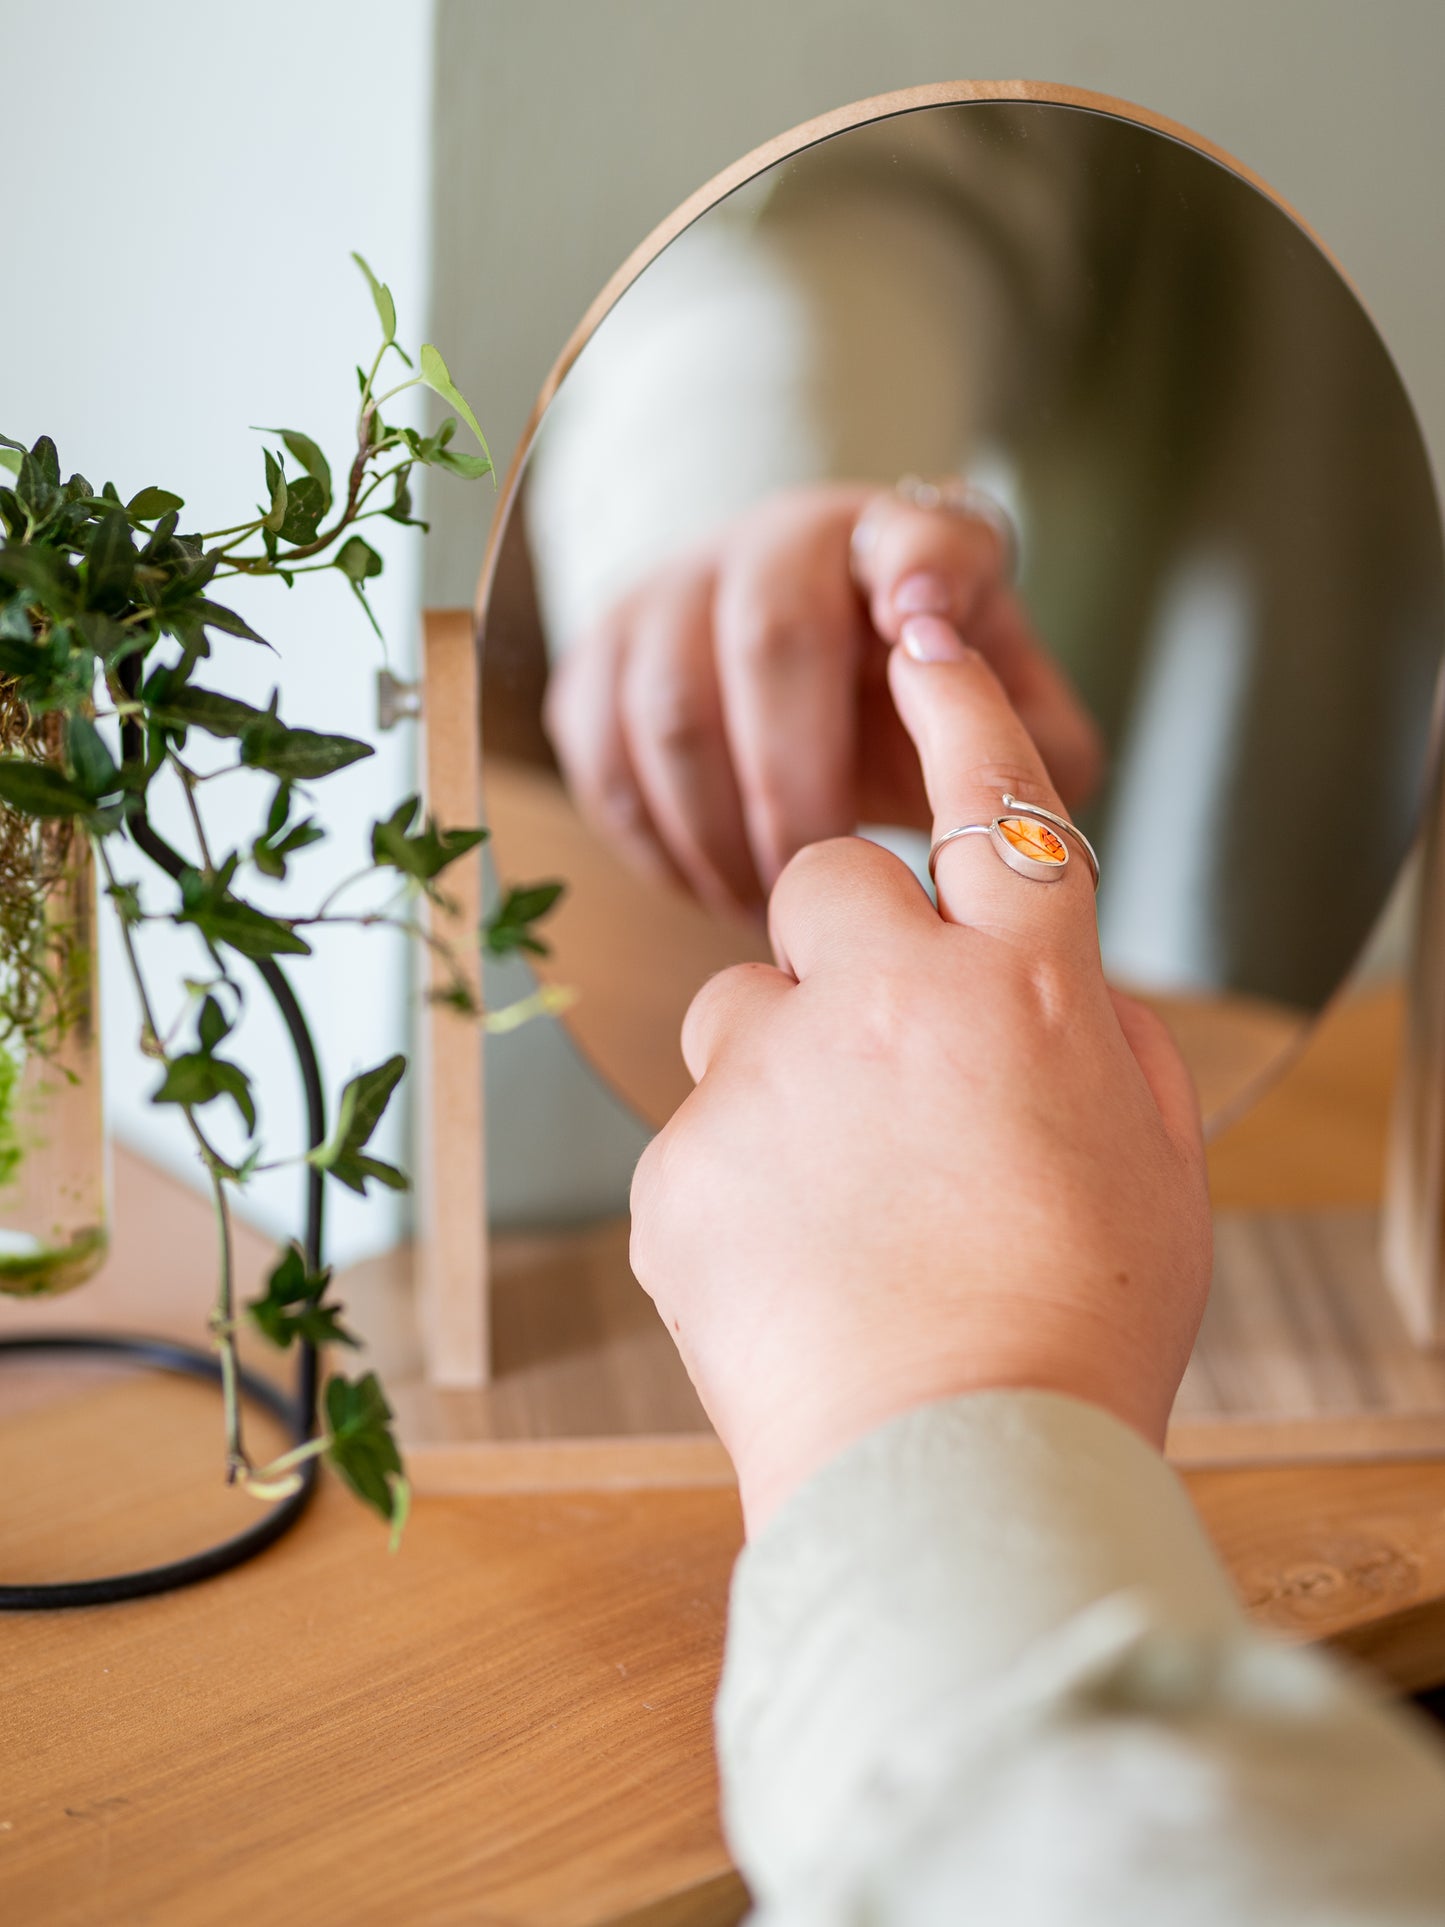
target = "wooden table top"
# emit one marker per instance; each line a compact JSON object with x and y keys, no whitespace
{"x":509,"y":1721}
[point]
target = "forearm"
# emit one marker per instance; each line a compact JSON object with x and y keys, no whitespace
{"x":986,"y":1666}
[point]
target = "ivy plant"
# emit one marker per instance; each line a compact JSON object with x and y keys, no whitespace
{"x":109,"y":613}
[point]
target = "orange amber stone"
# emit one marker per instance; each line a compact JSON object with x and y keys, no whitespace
{"x":1033,"y":839}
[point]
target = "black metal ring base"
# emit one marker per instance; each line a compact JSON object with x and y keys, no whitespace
{"x":188,"y":1362}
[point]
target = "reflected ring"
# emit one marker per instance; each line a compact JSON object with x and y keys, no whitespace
{"x":1028,"y":838}
{"x":958,"y":497}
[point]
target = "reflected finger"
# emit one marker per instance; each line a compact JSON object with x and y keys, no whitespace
{"x":912,"y":561}
{"x":583,"y":720}
{"x":672,"y":717}
{"x":945,"y":562}
{"x":789,"y":631}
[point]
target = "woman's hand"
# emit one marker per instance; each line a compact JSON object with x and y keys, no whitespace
{"x":931,"y":1152}
{"x":734,"y":706}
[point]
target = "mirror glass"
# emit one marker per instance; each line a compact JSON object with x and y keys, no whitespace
{"x":1227,"y":538}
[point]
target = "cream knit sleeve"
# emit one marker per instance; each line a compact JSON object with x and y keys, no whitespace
{"x":985,"y":1667}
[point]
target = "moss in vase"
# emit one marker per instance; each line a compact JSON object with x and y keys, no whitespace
{"x":47,"y":1271}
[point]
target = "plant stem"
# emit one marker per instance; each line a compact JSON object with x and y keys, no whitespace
{"x":223,"y":1330}
{"x":188,"y":782}
{"x":223,"y":1319}
{"x":345,"y":884}
{"x":298,"y":1455}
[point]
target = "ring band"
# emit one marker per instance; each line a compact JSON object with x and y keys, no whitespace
{"x":959,"y":497}
{"x":1026,"y":837}
{"x":962,"y":497}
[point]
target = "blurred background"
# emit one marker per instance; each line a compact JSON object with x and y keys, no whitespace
{"x":185,"y":183}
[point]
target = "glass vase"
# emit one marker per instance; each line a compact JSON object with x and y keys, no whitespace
{"x":54,"y":1226}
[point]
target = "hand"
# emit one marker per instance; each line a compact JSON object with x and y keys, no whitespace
{"x":734,"y":707}
{"x":930,"y":1152}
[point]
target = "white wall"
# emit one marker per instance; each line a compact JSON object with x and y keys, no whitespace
{"x":185,"y":182}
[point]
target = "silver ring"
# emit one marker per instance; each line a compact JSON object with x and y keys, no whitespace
{"x":953,"y":493}
{"x":1023,"y":835}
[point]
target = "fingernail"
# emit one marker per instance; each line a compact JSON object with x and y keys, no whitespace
{"x":929,"y":639}
{"x":924,"y":594}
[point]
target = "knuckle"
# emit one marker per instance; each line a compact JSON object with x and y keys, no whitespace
{"x":646,"y":1203}
{"x":1013,"y":777}
{"x":1053,"y":992}
{"x":886,"y":1020}
{"x":774,"y":640}
{"x":616,"y":803}
{"x":663,"y":1205}
{"x":677,"y":717}
{"x":815,"y":861}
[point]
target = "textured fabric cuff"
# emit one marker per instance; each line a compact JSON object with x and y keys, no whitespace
{"x":923,"y":1564}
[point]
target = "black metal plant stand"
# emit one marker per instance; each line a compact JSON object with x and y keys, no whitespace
{"x":299,"y":1411}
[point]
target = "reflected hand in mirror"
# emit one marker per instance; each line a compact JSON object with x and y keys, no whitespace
{"x":732,"y":707}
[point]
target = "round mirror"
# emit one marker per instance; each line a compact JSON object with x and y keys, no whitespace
{"x":1086,"y":331}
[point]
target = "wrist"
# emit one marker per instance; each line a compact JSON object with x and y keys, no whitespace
{"x":803,"y":1428}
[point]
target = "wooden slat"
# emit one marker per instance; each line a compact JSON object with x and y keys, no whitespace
{"x":454,"y":1319}
{"x":1414,"y":1221}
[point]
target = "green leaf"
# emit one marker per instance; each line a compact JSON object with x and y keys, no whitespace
{"x":270,"y":854}
{"x":357,"y":560}
{"x":305,"y":451}
{"x":204,"y":708}
{"x":469,"y":465}
{"x":91,"y":762}
{"x":197,"y":1078}
{"x":381,"y":295}
{"x":15,"y":623}
{"x":46,"y":460}
{"x":126,"y":898}
{"x":213,"y":616}
{"x":424,"y":854}
{"x":363,"y":1101}
{"x":109,"y":563}
{"x":362,"y":1446}
{"x":26,"y":565}
{"x":37,"y":790}
{"x":107,"y":638}
{"x":151,"y":502}
{"x":437,"y":376}
{"x":282,"y":838}
{"x":207,"y":902}
{"x":38,"y":482}
{"x":291,"y":1307}
{"x":10,"y":454}
{"x":297,"y":754}
{"x":400,"y":507}
{"x":509,"y":928}
{"x":213,"y":1024}
{"x":306,"y":503}
{"x":276,"y":489}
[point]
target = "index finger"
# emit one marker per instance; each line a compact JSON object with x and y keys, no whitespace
{"x":974,"y":751}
